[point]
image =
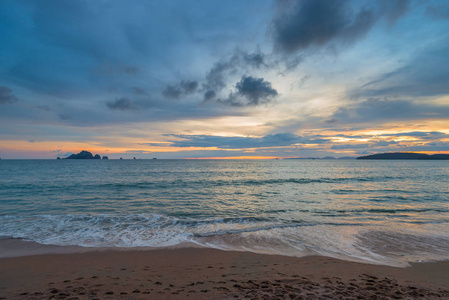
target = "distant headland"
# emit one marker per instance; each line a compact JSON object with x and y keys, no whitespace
{"x":406,"y":155}
{"x":85,"y":155}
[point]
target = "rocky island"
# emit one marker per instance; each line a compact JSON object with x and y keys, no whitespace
{"x":85,"y":155}
{"x":406,"y":155}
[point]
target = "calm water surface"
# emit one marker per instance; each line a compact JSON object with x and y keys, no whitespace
{"x":388,"y":212}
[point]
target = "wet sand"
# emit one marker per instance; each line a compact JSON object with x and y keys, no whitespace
{"x":197,"y":273}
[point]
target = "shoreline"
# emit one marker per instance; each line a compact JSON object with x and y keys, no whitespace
{"x":204,"y":273}
{"x":17,"y":247}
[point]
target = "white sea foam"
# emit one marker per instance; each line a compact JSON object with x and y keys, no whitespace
{"x":268,"y":236}
{"x":381,"y":212}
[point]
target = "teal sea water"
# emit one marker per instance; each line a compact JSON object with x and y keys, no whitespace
{"x":387,"y":212}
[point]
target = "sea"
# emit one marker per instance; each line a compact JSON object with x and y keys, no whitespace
{"x":389,"y":212}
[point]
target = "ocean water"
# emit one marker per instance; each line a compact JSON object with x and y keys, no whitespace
{"x":386,"y":212}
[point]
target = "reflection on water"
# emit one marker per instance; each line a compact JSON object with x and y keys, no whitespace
{"x":347,"y":209}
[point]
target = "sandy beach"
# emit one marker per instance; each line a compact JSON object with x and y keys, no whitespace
{"x":199,"y":273}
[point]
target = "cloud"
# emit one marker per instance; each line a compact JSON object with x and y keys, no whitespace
{"x":65,"y":116}
{"x":305,"y":24}
{"x":331,"y":121}
{"x":271,"y":140}
{"x":423,"y":136}
{"x":256,"y":90}
{"x":6,"y":95}
{"x":437,"y":12}
{"x":91,"y":46}
{"x":370,"y":148}
{"x":406,"y":93}
{"x":426,"y":135}
{"x":181,"y":89}
{"x":44,"y":107}
{"x":366,"y":145}
{"x":308,"y":23}
{"x":424,"y":75}
{"x":437,"y":146}
{"x":251,"y":91}
{"x":393,"y":10}
{"x":255,"y":59}
{"x":385,"y":143}
{"x":349,"y":146}
{"x":138,"y":91}
{"x":209,"y":95}
{"x":120,"y":104}
{"x":63,"y":72}
{"x":217,"y":77}
{"x":375,"y":109}
{"x":292,"y":142}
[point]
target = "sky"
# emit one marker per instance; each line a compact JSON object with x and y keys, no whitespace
{"x":223,"y":79}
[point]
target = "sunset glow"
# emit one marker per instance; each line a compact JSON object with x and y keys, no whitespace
{"x":238,"y":80}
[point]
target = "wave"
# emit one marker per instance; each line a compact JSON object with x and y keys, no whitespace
{"x":344,"y":240}
{"x":117,"y":230}
{"x":382,"y":211}
{"x":165,"y":184}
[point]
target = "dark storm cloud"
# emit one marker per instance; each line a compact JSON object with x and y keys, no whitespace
{"x":209,"y":95}
{"x":271,"y":140}
{"x":425,"y":75}
{"x":314,"y":23}
{"x":438,"y":11}
{"x":255,"y":89}
{"x":217,"y":77}
{"x":120,"y":104}
{"x":181,"y":89}
{"x":6,"y":95}
{"x":304,"y":24}
{"x":248,"y":92}
{"x":251,"y":91}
